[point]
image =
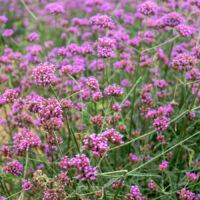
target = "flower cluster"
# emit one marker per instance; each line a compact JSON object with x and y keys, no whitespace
{"x":183,"y":62}
{"x":51,"y":114}
{"x":113,"y":90}
{"x":83,"y":168}
{"x":82,"y":165}
{"x":187,"y":195}
{"x":26,"y":185}
{"x":163,"y":166}
{"x":161,"y":123}
{"x":102,"y":21}
{"x":152,"y":186}
{"x":43,"y":74}
{"x":98,"y":144}
{"x":25,"y":140}
{"x":54,"y":8}
{"x":134,"y":194}
{"x":15,"y":168}
{"x":148,"y":8}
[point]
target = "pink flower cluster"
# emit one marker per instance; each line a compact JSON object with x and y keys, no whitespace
{"x":163,"y":166}
{"x":82,"y":165}
{"x":43,"y":74}
{"x":187,"y":195}
{"x":98,"y":144}
{"x":135,"y":194}
{"x":25,"y":140}
{"x":51,"y":114}
{"x":15,"y":168}
{"x":113,"y":90}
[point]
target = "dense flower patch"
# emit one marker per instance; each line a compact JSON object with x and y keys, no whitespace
{"x":99,"y":99}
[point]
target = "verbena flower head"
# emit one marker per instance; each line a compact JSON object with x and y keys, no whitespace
{"x":192,"y":176}
{"x":54,"y":8}
{"x":171,"y":19}
{"x":3,"y":19}
{"x":134,"y":194}
{"x":10,"y":95}
{"x":97,"y":96}
{"x":147,"y":8}
{"x":33,"y":37}
{"x":161,"y":123}
{"x":133,"y":158}
{"x":50,"y":194}
{"x":105,"y":47}
{"x":185,"y":31}
{"x":25,"y":140}
{"x":187,"y":195}
{"x":113,"y":90}
{"x":184,"y":61}
{"x":163,"y":166}
{"x":196,"y":52}
{"x":43,"y":74}
{"x":15,"y":168}
{"x":97,"y":120}
{"x":93,"y":83}
{"x":51,"y":114}
{"x":97,"y":144}
{"x":102,"y":21}
{"x":83,"y":168}
{"x":26,"y":185}
{"x":113,"y":136}
{"x":152,"y":186}
{"x":8,"y":33}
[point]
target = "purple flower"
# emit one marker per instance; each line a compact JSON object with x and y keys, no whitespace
{"x":8,"y":33}
{"x":26,"y":185}
{"x":102,"y":21}
{"x":113,"y":136}
{"x":196,"y":52}
{"x":14,"y":167}
{"x":133,"y":158}
{"x":105,"y":48}
{"x":152,"y":186}
{"x":3,"y":19}
{"x":147,"y":8}
{"x":10,"y":95}
{"x":134,"y":194}
{"x":43,"y":74}
{"x":184,"y":61}
{"x":97,"y":96}
{"x":97,"y":120}
{"x":163,"y":166}
{"x":33,"y":37}
{"x":161,"y":123}
{"x":54,"y":8}
{"x":25,"y":140}
{"x":97,"y":144}
{"x":51,"y":114}
{"x":93,"y":83}
{"x":171,"y":19}
{"x":192,"y":176}
{"x":187,"y":195}
{"x":113,"y":90}
{"x":185,"y":31}
{"x":83,"y":168}
{"x":50,"y":194}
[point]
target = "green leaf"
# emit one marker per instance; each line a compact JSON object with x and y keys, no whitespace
{"x":143,"y":175}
